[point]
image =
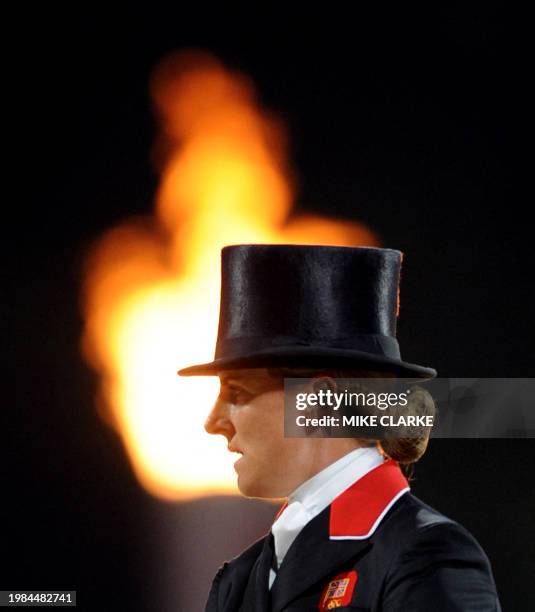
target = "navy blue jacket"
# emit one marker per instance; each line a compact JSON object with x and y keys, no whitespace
{"x":376,"y":548}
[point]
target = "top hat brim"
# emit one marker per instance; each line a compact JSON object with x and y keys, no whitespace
{"x":308,"y":357}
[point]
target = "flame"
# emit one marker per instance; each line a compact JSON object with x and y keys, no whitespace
{"x":151,"y":286}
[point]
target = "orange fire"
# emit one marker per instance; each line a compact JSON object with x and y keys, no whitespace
{"x":152,"y":285}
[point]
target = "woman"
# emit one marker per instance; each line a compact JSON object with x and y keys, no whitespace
{"x":351,"y":535}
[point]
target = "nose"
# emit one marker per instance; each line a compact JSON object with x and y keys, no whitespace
{"x":218,"y":420}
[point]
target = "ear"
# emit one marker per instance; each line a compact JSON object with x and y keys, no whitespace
{"x":321,"y":382}
{"x":324,"y":382}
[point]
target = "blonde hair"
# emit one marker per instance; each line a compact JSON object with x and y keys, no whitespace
{"x":408,"y":448}
{"x":410,"y":444}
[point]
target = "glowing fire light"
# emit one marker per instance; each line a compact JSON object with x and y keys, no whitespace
{"x":152,"y":285}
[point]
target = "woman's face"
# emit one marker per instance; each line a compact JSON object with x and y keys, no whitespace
{"x":249,"y":412}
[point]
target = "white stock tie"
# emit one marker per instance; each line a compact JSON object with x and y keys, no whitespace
{"x":315,"y":495}
{"x":287,"y":527}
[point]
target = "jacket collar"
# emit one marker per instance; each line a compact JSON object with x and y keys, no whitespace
{"x":358,"y":511}
{"x":339,"y":533}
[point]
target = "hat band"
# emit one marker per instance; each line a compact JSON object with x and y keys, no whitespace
{"x":375,"y":344}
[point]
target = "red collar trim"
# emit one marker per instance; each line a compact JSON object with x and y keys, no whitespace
{"x":357,"y":512}
{"x":281,"y":510}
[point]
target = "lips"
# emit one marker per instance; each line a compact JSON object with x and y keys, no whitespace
{"x":234,"y":449}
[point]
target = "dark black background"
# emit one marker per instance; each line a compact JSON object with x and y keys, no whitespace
{"x":405,"y":119}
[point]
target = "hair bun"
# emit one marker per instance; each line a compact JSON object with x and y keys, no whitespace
{"x":404,"y":450}
{"x":410,"y":446}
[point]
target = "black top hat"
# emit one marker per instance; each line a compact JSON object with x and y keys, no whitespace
{"x":307,"y":307}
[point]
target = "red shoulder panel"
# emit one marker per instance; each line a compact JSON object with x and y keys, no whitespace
{"x":356,"y":513}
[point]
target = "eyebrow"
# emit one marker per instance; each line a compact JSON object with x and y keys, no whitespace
{"x":235,"y":374}
{"x":232,"y":379}
{"x":248,"y":382}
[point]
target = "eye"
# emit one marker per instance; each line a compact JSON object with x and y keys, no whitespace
{"x":234,"y":395}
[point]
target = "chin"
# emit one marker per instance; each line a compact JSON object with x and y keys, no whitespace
{"x":254,"y":488}
{"x":250,"y":489}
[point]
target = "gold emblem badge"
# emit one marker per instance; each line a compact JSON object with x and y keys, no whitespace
{"x":338,"y":592}
{"x":334,"y":603}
